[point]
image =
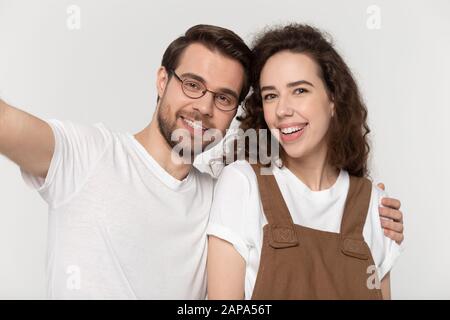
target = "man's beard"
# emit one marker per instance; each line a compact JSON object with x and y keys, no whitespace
{"x":166,"y":128}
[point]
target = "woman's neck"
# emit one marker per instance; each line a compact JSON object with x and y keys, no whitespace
{"x":313,"y":170}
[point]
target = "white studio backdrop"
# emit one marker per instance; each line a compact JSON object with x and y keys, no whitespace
{"x":102,"y":66}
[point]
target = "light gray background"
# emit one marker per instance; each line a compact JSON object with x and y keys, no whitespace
{"x":106,"y":72}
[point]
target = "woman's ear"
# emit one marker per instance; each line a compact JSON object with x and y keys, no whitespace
{"x":162,"y":78}
{"x":332,"y":105}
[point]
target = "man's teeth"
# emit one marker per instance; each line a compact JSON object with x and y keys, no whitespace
{"x":291,"y":130}
{"x":193,"y":124}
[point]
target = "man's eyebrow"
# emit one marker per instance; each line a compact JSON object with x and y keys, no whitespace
{"x":220,"y":90}
{"x":229,"y":91}
{"x":193,"y":76}
{"x":289,"y":85}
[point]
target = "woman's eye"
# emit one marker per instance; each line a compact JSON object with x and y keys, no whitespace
{"x":300,"y":91}
{"x":269,"y":96}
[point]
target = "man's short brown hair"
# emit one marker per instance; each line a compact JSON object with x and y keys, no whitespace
{"x":214,"y":38}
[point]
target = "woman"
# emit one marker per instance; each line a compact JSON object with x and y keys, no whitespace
{"x":311,"y":229}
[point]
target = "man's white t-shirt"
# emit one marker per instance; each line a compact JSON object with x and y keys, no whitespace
{"x":120,"y":226}
{"x":237,"y":215}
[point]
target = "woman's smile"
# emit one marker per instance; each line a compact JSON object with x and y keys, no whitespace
{"x":292,"y":132}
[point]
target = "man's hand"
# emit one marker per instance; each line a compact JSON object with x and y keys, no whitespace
{"x":392,"y":228}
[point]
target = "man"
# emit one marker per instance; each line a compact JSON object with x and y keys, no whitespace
{"x":125,"y":215}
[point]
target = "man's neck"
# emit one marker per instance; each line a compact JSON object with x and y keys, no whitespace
{"x":155,"y":144}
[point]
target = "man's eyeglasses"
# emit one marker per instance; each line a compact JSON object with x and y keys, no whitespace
{"x":196,"y":89}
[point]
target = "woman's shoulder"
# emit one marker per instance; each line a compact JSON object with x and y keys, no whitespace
{"x":240,"y":168}
{"x":376,"y":193}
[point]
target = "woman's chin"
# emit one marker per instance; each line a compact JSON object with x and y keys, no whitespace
{"x":294,"y":152}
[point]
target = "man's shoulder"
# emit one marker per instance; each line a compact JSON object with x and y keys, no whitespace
{"x":203,"y":176}
{"x":71,"y":130}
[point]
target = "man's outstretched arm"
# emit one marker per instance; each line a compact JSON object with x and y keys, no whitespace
{"x":26,"y":140}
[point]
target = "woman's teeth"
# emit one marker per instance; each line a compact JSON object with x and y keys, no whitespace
{"x":291,"y":130}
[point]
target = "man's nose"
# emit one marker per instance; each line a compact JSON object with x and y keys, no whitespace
{"x":205,"y":104}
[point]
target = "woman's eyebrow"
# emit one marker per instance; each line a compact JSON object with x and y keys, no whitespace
{"x":267,"y":88}
{"x":289,"y":85}
{"x":296,"y":83}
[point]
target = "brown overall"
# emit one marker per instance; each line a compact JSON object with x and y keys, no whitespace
{"x":303,"y":263}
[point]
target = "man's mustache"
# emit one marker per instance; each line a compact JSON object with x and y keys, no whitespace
{"x":199,"y":118}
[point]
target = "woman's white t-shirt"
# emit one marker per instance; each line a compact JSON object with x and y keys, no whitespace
{"x":237,"y":215}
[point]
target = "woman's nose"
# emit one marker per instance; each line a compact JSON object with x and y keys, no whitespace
{"x":283,"y":109}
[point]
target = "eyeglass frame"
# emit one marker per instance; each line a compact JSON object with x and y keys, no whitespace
{"x":204,"y":92}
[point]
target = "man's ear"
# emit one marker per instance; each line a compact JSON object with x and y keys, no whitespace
{"x":162,"y":78}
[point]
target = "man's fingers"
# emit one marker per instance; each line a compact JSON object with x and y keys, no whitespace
{"x":381,"y":186}
{"x":397,"y":237}
{"x":392,"y":229}
{"x":396,"y":215}
{"x":391,"y":203}
{"x":392,"y":225}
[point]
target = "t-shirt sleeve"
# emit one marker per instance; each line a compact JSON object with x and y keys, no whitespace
{"x":385,"y":251}
{"x":77,"y":149}
{"x":228,"y":211}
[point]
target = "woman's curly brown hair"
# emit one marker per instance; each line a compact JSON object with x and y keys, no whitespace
{"x":348,"y":146}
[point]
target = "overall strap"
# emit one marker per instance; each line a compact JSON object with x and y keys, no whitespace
{"x":354,"y":217}
{"x":282,"y":232}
